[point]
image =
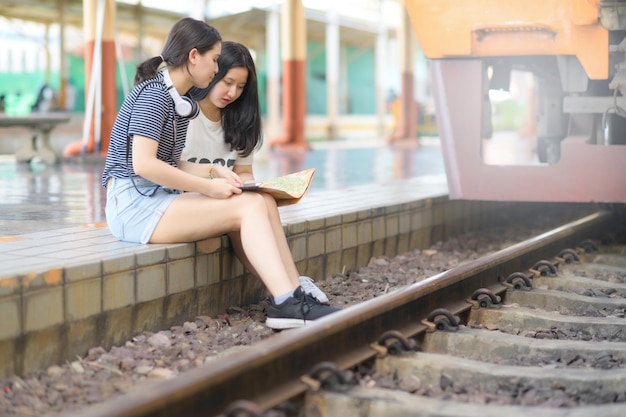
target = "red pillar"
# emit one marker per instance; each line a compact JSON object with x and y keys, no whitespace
{"x":293,"y":40}
{"x":105,"y":78}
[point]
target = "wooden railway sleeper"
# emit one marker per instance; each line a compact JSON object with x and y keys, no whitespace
{"x":529,"y":320}
{"x":385,"y":403}
{"x":573,"y":283}
{"x":497,"y":347}
{"x":559,"y":300}
{"x":423,"y":370}
{"x":607,"y":261}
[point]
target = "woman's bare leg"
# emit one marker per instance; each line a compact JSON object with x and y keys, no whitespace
{"x":193,"y":217}
{"x":279,"y":236}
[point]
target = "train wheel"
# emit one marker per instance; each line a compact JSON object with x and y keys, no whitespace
{"x":548,"y":150}
{"x":614,"y":129}
{"x":608,"y":129}
{"x":542,"y":150}
{"x":554,"y":151}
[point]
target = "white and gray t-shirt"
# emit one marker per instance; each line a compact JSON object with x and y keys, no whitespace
{"x":205,"y":145}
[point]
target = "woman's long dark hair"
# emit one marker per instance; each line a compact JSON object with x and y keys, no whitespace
{"x":185,"y":35}
{"x":241,"y":119}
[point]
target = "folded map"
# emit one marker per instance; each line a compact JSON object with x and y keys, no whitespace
{"x":286,"y":189}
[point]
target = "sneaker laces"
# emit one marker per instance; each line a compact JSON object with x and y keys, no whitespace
{"x":305,"y":304}
{"x":308,"y":285}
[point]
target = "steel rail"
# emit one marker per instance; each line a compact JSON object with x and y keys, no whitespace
{"x":271,"y":371}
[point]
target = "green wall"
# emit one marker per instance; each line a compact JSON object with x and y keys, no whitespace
{"x":360,"y":81}
{"x":356,"y":80}
{"x":356,"y":83}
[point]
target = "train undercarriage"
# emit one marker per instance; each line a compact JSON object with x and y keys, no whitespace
{"x":547,"y":81}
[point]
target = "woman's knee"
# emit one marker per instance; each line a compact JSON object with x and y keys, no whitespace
{"x":252,"y":203}
{"x":269,"y":201}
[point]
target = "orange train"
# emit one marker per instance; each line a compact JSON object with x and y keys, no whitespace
{"x":529,"y":96}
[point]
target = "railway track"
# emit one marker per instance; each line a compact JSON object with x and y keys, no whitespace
{"x":488,"y":337}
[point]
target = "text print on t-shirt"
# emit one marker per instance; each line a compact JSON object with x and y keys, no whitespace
{"x":220,"y":161}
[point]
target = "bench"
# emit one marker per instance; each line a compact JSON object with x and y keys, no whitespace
{"x":40,"y":124}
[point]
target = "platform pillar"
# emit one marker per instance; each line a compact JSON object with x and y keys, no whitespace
{"x":99,"y":121}
{"x":332,"y":72}
{"x":272,"y":50}
{"x":406,"y":114}
{"x":293,"y":49}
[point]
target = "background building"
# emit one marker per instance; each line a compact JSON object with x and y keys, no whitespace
{"x":352,"y":42}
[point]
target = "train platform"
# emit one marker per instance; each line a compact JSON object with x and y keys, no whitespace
{"x":54,"y":214}
{"x":65,"y":277}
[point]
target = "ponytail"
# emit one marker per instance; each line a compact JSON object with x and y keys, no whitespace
{"x":147,"y":69}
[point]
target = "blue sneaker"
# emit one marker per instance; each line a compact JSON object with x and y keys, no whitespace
{"x":309,"y":286}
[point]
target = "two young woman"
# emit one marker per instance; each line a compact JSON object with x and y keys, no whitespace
{"x":155,"y":197}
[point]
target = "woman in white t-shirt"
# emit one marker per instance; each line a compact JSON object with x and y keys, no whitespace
{"x":223,"y":139}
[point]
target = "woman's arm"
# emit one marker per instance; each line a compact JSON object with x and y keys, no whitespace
{"x":200,"y":170}
{"x":147,"y":165}
{"x":210,"y":171}
{"x":245,"y":173}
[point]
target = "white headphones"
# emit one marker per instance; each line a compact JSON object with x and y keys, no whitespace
{"x":184,"y":106}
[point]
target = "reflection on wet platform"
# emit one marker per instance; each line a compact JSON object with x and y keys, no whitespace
{"x":36,"y":197}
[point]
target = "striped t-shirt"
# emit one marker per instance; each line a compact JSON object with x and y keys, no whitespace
{"x":147,"y":111}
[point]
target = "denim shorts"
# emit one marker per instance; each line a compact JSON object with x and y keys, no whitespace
{"x":131,"y":216}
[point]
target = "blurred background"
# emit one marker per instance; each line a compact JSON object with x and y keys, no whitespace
{"x":44,"y":58}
